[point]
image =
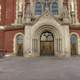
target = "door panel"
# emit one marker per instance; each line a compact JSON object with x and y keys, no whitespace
{"x":47,"y":49}
{"x":19,"y":50}
{"x":74,"y":44}
{"x":73,"y":49}
{"x":19,"y":45}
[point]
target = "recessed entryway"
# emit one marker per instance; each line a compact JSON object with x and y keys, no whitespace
{"x":74,"y":45}
{"x":46,"y":44}
{"x":19,"y":45}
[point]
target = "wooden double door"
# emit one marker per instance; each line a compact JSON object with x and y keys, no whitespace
{"x":46,"y":44}
{"x":47,"y":48}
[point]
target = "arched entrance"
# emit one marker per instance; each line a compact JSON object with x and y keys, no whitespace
{"x":19,"y":45}
{"x":46,"y":44}
{"x":74,"y":45}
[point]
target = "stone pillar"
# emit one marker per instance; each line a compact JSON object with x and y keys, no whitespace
{"x":35,"y":48}
{"x":60,"y":45}
{"x":57,"y":48}
{"x":32,"y":4}
{"x":78,"y":46}
{"x":66,"y":41}
{"x":76,"y":12}
{"x":27,"y":41}
{"x":16,"y":11}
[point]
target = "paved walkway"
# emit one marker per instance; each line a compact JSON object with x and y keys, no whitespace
{"x":40,"y":68}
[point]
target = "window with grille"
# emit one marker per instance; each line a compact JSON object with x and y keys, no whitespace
{"x":38,"y":8}
{"x":54,"y":7}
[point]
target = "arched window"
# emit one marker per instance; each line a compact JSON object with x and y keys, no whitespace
{"x":38,"y":8}
{"x":19,"y":39}
{"x":19,"y":45}
{"x":54,"y":7}
{"x":73,"y":39}
{"x":74,"y":44}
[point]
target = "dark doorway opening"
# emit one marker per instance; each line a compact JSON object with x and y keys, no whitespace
{"x":46,"y":44}
{"x":74,"y":45}
{"x":19,"y":42}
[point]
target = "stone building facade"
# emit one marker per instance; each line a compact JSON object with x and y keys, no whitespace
{"x":40,"y":27}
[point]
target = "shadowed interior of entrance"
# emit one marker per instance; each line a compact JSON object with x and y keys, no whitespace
{"x":46,"y":44}
{"x":19,"y":45}
{"x":74,"y":45}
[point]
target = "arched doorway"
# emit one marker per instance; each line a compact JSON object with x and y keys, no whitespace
{"x":19,"y":45}
{"x":46,"y":44}
{"x":74,"y":45}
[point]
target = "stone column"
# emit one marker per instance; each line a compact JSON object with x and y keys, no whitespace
{"x":57,"y":47}
{"x":32,"y":6}
{"x":35,"y":48}
{"x":78,"y":46}
{"x":16,"y":11}
{"x":27,"y":41}
{"x":66,"y":41}
{"x":60,"y":45}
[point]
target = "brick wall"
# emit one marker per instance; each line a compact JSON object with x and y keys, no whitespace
{"x":8,"y":11}
{"x":1,"y":39}
{"x":78,"y":9}
{"x":3,"y":6}
{"x":9,"y":37}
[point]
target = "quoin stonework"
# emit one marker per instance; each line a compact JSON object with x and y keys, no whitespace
{"x":40,"y":27}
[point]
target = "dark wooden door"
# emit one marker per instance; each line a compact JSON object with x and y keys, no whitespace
{"x":73,"y":49}
{"x":19,"y":45}
{"x":19,"y":50}
{"x":46,"y":44}
{"x":74,"y":44}
{"x":47,"y":48}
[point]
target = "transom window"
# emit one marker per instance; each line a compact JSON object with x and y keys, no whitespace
{"x":46,"y":36}
{"x":19,"y":39}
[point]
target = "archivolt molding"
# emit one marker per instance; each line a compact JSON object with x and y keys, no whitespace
{"x":47,"y":25}
{"x":52,"y":29}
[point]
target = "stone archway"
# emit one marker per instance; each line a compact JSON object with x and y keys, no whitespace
{"x":56,"y":46}
{"x":46,"y":23}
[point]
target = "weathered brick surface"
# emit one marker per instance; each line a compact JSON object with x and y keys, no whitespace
{"x":9,"y":39}
{"x":2,"y":39}
{"x":8,"y":11}
{"x":78,"y":9}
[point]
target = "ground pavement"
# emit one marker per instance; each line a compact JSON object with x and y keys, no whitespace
{"x":40,"y":68}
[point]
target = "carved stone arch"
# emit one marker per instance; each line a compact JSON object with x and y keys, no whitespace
{"x":56,"y":34}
